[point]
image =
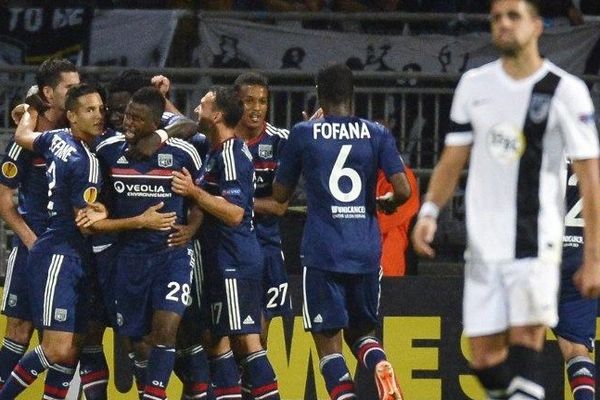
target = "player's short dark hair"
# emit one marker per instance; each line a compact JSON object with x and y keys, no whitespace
{"x":48,"y":73}
{"x":228,"y":102}
{"x":153,"y":99}
{"x":335,"y":84}
{"x":129,"y":81}
{"x":250,"y":79}
{"x":535,"y":5}
{"x":77,"y":91}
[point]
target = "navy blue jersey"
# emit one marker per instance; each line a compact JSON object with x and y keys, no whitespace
{"x":339,"y":158}
{"x":137,"y":185}
{"x":103,"y":241}
{"x":228,"y":172}
{"x":74,"y":180}
{"x":573,"y":238}
{"x":25,"y":170}
{"x":265,"y":150}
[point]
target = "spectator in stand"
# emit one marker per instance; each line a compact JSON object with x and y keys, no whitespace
{"x":395,"y":228}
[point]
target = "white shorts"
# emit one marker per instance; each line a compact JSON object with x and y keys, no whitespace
{"x":501,"y":295}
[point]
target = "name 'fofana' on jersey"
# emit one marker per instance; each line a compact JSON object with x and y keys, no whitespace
{"x":341,"y":131}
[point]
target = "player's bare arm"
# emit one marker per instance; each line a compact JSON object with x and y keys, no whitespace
{"x":389,"y":202}
{"x":587,"y":278}
{"x":183,"y":234}
{"x":281,"y":193}
{"x":441,"y":188}
{"x":227,"y":212}
{"x":183,"y":128}
{"x":268,"y":206}
{"x":25,"y":134}
{"x":163,"y":84}
{"x":10,"y":215}
{"x":149,"y":219}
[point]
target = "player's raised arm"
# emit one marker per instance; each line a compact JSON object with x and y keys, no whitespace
{"x":25,"y":134}
{"x":181,"y":128}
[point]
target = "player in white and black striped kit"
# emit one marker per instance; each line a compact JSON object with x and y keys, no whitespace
{"x":515,"y":118}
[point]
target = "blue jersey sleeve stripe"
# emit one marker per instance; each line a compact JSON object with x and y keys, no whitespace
{"x":272,"y":130}
{"x":15,"y":151}
{"x":110,"y":140}
{"x":94,"y":167}
{"x":229,"y":161}
{"x":189,"y":149}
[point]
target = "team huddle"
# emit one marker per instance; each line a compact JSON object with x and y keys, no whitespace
{"x":168,"y":229}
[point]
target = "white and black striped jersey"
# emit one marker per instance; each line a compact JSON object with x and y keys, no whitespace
{"x":519,"y":131}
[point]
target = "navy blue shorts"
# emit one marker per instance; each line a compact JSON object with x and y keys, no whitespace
{"x":235,"y":303}
{"x":58,"y":291}
{"x":277,"y":300}
{"x":334,"y":300}
{"x":102,"y":275}
{"x":15,"y":297}
{"x":196,"y":317}
{"x":148,"y":282}
{"x":576,"y":314}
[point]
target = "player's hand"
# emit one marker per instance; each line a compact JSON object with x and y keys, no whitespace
{"x":144,"y":147}
{"x":182,"y":236}
{"x":152,"y":219}
{"x":182,"y":183}
{"x":386,"y":203}
{"x":162,"y":83}
{"x":29,"y":118}
{"x":422,"y":236}
{"x":91,"y":214}
{"x":587,"y":279}
{"x":318,"y":114}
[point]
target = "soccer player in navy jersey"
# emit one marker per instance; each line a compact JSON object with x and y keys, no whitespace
{"x":150,"y":298}
{"x":230,"y":251}
{"x":338,"y":156}
{"x":265,"y":143}
{"x":59,"y":259}
{"x":93,"y":367}
{"x":26,"y":171}
{"x":576,"y":328}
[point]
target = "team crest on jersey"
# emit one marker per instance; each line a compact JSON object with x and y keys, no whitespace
{"x":90,"y":195}
{"x":60,"y":314}
{"x":9,"y":169}
{"x":539,"y":107}
{"x":506,"y":143}
{"x":265,"y":151}
{"x":165,"y":160}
